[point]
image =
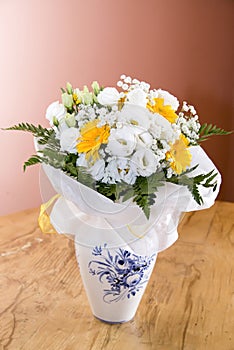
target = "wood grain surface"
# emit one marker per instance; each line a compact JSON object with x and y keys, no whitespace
{"x":188,"y":303}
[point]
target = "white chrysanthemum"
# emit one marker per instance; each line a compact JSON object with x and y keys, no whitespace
{"x":111,"y":174}
{"x":137,"y":97}
{"x":169,"y":99}
{"x":145,"y":161}
{"x":126,"y":169}
{"x":121,"y":142}
{"x":108,"y":96}
{"x":56,"y":111}
{"x":120,"y":169}
{"x":68,"y":140}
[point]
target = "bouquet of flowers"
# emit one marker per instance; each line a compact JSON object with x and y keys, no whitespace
{"x":125,"y":163}
{"x":124,"y":142}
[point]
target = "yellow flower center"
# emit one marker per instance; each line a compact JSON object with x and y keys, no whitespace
{"x":76,"y":99}
{"x":166,"y":111}
{"x":121,"y":102}
{"x":91,"y":138}
{"x":180,"y":155}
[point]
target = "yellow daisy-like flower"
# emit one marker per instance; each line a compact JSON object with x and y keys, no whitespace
{"x":166,"y":111}
{"x":91,"y":138}
{"x":180,"y":155}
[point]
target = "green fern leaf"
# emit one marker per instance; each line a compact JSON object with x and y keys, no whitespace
{"x":35,"y":130}
{"x":207,"y":130}
{"x":35,"y":159}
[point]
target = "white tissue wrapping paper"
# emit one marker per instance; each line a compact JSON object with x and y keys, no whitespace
{"x":93,"y":219}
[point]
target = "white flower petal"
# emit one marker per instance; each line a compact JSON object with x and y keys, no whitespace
{"x":145,"y":161}
{"x":68,"y":140}
{"x":121,"y":142}
{"x":97,"y":170}
{"x":55,"y":110}
{"x":169,"y":99}
{"x":137,"y":97}
{"x":108,"y":96}
{"x":135,"y":115}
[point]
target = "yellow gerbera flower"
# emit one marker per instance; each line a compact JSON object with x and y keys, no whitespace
{"x":166,"y":111}
{"x":180,"y":155}
{"x":91,"y":138}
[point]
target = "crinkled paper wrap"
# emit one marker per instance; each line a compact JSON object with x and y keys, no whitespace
{"x":93,"y":218}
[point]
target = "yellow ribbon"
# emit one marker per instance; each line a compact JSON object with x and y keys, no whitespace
{"x":134,"y":233}
{"x":45,"y":223}
{"x":44,"y":219}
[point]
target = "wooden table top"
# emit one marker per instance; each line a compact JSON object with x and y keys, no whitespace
{"x":188,"y":303}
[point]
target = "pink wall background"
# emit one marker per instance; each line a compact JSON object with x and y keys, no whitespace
{"x":183,"y":46}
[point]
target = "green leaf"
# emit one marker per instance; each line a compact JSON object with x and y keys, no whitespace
{"x":107,"y":190}
{"x":85,"y":178}
{"x":193,"y":183}
{"x":127,"y":194}
{"x":53,"y":157}
{"x":155,"y":181}
{"x":144,"y":190}
{"x":35,"y":130}
{"x":35,"y":159}
{"x":207,"y":130}
{"x":145,"y":202}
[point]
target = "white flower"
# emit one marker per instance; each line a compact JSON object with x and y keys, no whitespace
{"x":121,"y":142}
{"x":108,"y":96}
{"x":169,"y":99}
{"x":125,"y":87}
{"x":161,"y":128}
{"x":55,"y":112}
{"x":145,"y":161}
{"x":137,"y":97}
{"x":68,"y":140}
{"x":145,"y":86}
{"x":135,"y":115}
{"x":153,"y":94}
{"x":127,"y":170}
{"x":97,"y":170}
{"x":118,"y":169}
{"x":67,"y":100}
{"x":185,"y":107}
{"x":144,"y":139}
{"x":70,"y":120}
{"x":82,"y":161}
{"x":128,"y":80}
{"x":111,"y":175}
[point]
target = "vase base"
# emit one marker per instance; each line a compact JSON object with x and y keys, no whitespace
{"x":112,"y":322}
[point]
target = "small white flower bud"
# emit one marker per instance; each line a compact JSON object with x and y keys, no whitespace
{"x":125,"y":87}
{"x":128,"y":80}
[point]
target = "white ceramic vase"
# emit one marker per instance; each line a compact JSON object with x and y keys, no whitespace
{"x":114,"y":279}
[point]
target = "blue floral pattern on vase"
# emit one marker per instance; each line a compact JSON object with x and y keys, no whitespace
{"x":124,"y":272}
